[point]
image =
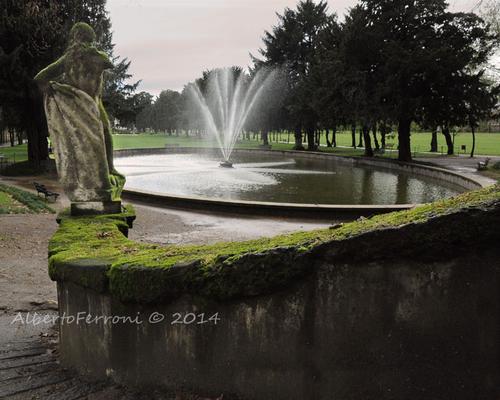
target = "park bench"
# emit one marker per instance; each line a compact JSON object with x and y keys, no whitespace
{"x":483,"y":165}
{"x":43,"y":190}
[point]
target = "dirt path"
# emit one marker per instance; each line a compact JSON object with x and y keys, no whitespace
{"x":24,"y":283}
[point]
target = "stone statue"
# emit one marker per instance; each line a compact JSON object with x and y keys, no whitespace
{"x":79,"y":127}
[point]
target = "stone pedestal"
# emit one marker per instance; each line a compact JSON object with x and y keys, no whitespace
{"x":96,"y":208}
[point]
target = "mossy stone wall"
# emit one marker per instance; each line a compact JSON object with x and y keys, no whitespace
{"x":401,"y":306}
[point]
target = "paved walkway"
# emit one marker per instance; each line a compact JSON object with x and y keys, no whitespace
{"x":464,"y":165}
{"x":29,"y":369}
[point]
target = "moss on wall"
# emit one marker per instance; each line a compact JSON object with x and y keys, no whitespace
{"x":94,"y":252}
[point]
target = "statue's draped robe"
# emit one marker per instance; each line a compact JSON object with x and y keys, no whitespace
{"x":77,"y":136}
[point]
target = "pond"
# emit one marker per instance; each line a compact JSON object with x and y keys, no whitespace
{"x":279,"y":178}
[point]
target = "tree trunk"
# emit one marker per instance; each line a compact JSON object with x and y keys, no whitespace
{"x":327,"y":134}
{"x":12,"y":137}
{"x":368,"y":142}
{"x":334,"y":135}
{"x":383,"y":132}
{"x":298,"y":138}
{"x":265,"y":137}
{"x":434,"y":141}
{"x":353,"y":136}
{"x":360,"y":144}
{"x":473,"y":129}
{"x":311,"y":138}
{"x":19,"y":138}
{"x":449,"y":141}
{"x":375,"y":140}
{"x":404,"y":140}
{"x":36,"y":129}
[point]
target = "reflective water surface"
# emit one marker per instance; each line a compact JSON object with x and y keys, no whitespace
{"x":275,"y":178}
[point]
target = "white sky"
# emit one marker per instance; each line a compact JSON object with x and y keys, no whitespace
{"x":170,"y":42}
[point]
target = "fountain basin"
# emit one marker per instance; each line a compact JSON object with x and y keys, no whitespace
{"x":266,"y":182}
{"x":322,"y":306}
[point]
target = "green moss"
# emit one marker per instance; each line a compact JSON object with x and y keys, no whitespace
{"x":144,"y":272}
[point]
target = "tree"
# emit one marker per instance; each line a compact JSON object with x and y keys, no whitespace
{"x":140,"y":105}
{"x":405,"y":32}
{"x":481,"y":99}
{"x":292,"y":46}
{"x":118,"y":93}
{"x":458,"y":92}
{"x":166,"y":111}
{"x":361,"y":73}
{"x":33,"y":33}
{"x":327,"y":77}
{"x":268,"y":113}
{"x":30,"y":39}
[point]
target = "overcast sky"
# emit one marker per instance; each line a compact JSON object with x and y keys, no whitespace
{"x":170,"y":42}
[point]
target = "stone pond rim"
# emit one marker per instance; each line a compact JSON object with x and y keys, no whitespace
{"x":293,"y":210}
{"x":94,"y":251}
{"x":397,"y":298}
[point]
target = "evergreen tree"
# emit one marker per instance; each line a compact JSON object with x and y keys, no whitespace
{"x":292,"y":46}
{"x":33,"y":33}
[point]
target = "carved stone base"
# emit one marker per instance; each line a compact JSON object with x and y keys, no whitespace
{"x":96,"y":208}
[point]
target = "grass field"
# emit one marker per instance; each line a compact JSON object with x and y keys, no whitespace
{"x":15,"y":154}
{"x":486,"y":144}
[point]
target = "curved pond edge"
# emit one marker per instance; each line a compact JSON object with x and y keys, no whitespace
{"x":299,"y":210}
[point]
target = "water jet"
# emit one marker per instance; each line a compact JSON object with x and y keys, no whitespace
{"x":227,"y":102}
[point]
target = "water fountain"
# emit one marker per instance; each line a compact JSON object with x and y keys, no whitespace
{"x":226,"y":104}
{"x":293,"y":182}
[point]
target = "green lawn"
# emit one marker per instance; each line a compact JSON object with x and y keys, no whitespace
{"x":17,"y":201}
{"x":486,"y":143}
{"x":16,"y":153}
